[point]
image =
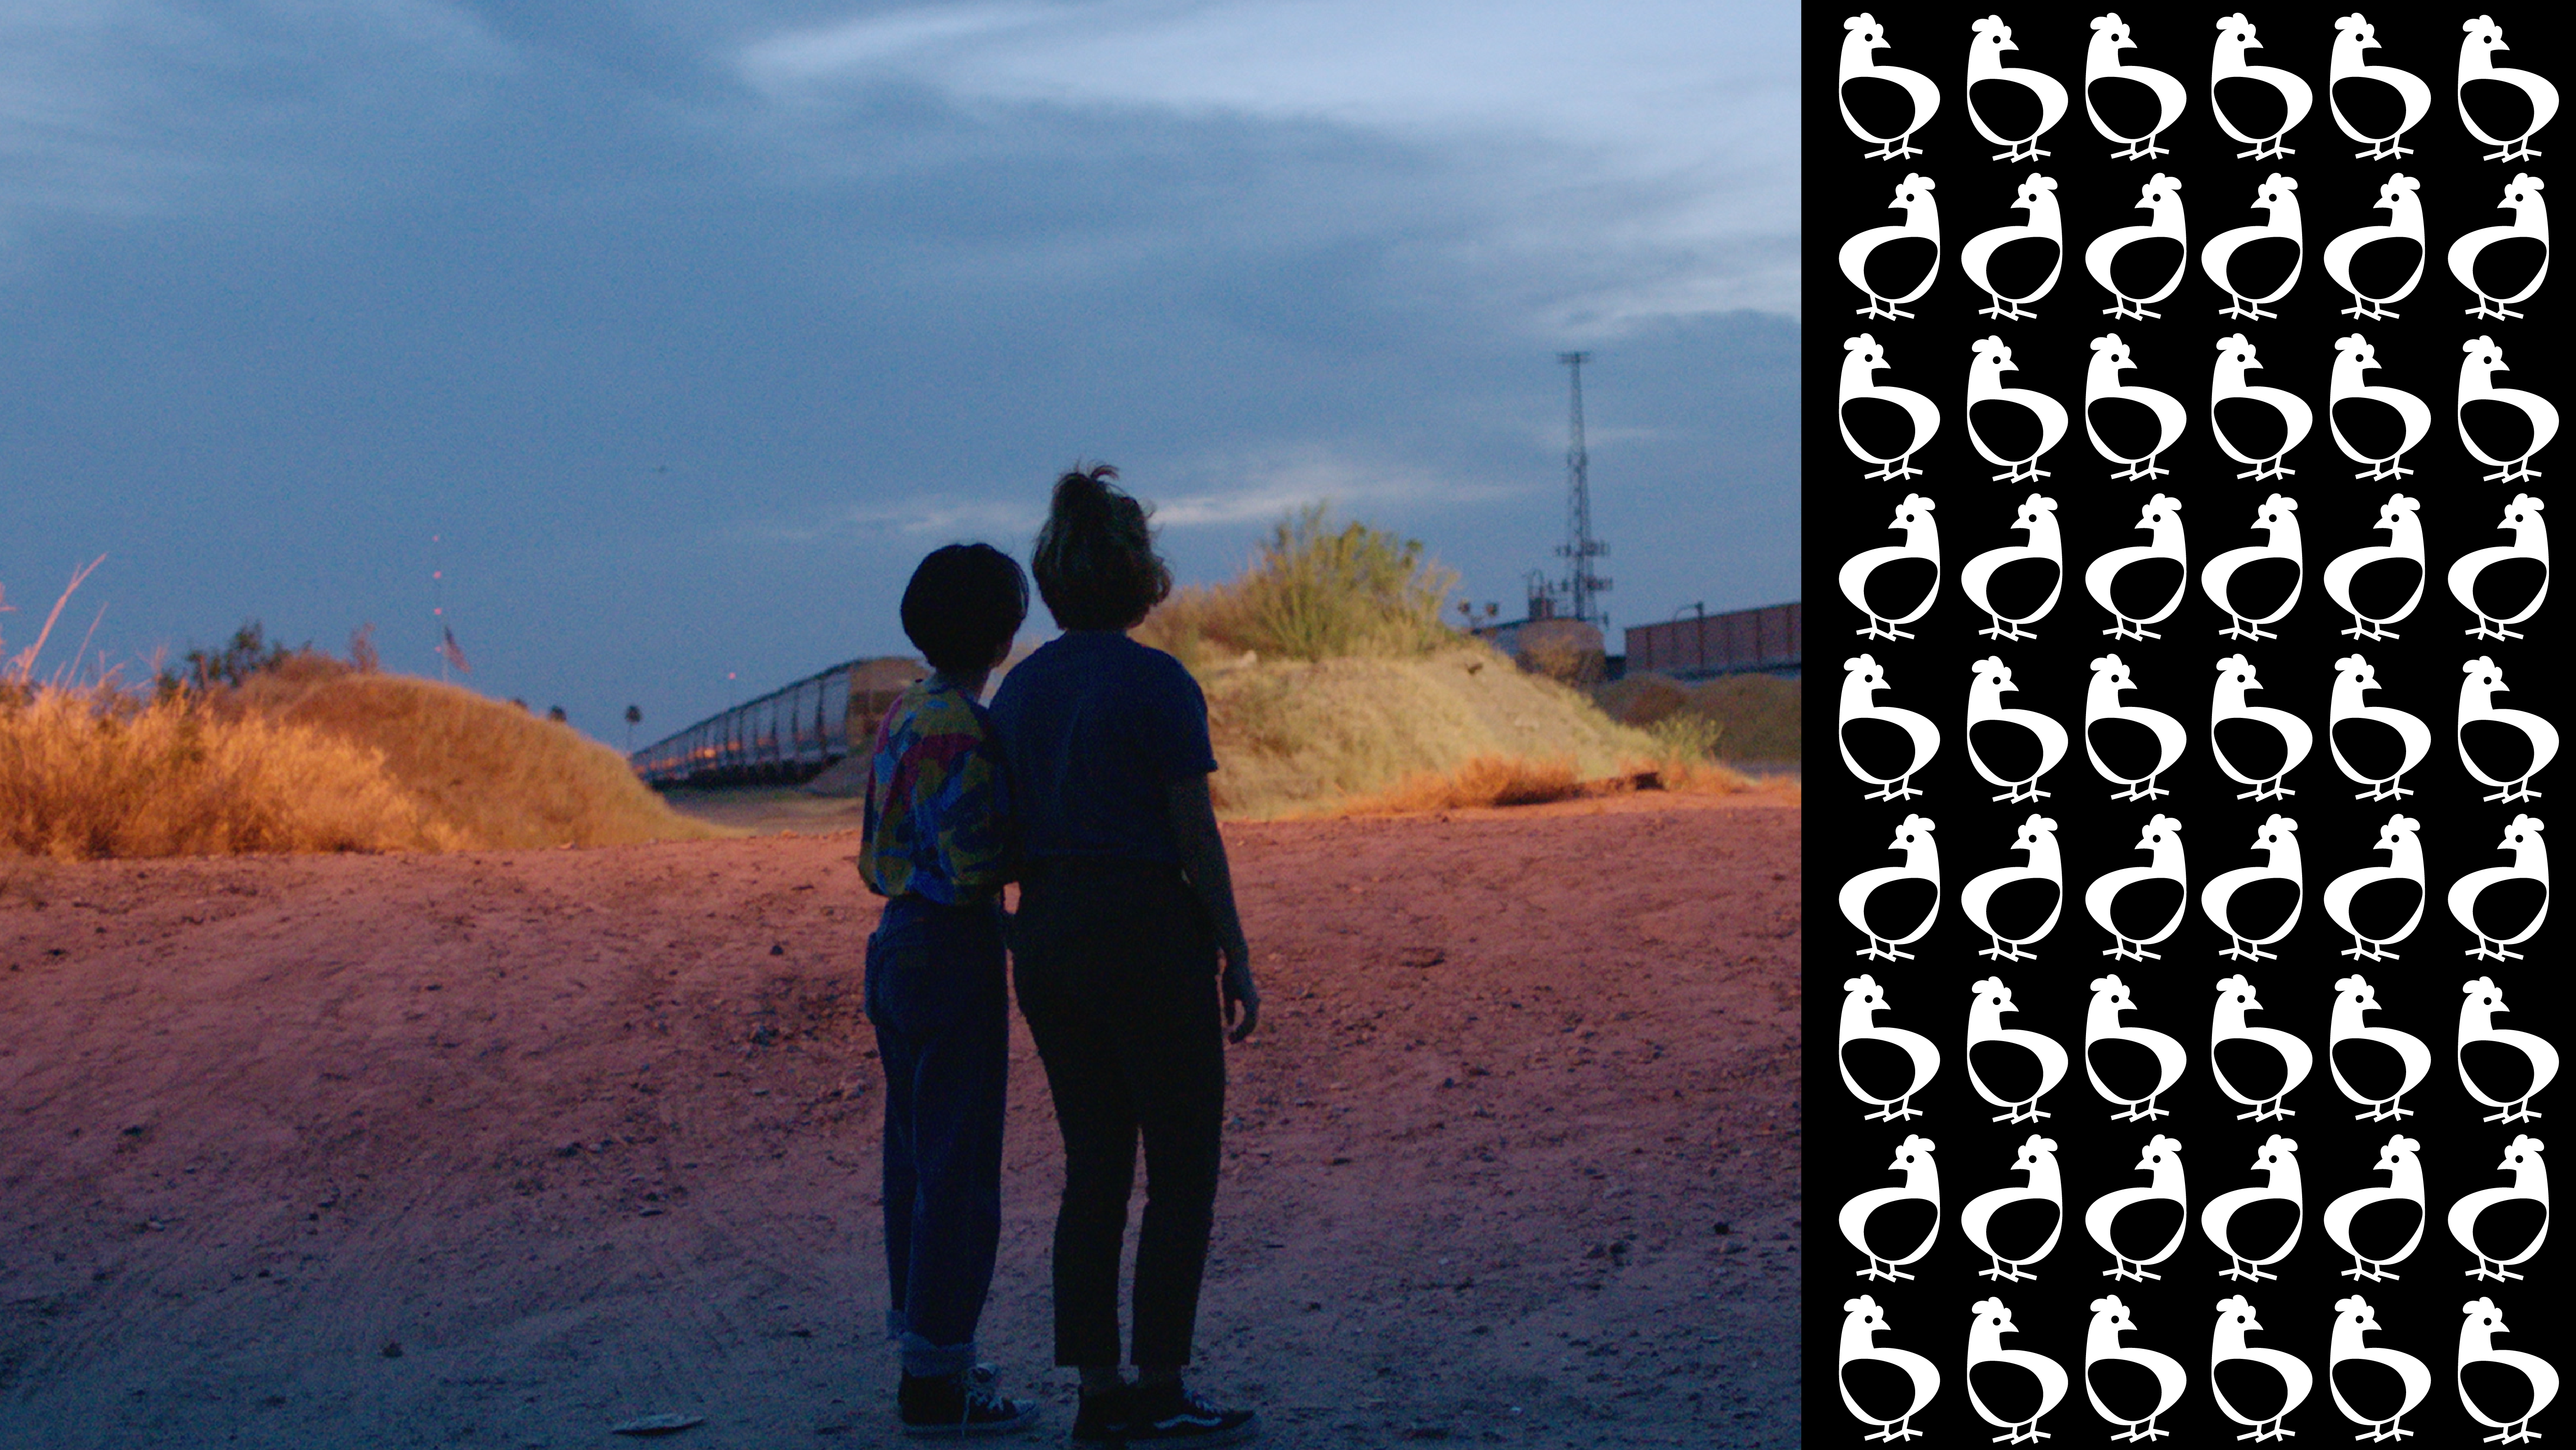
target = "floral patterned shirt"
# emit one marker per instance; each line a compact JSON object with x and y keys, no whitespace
{"x":938,"y":820}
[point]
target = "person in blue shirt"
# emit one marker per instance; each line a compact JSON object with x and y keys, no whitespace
{"x":938,"y":845}
{"x":1126,"y":908}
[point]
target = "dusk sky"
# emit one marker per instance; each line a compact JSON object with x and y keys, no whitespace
{"x":688,"y":327}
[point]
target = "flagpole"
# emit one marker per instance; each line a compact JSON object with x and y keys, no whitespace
{"x":438,"y":606}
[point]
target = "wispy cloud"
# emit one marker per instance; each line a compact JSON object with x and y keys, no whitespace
{"x":138,"y":107}
{"x":1645,"y":156}
{"x":1217,"y":489}
{"x":1267,"y":483}
{"x":914,"y":516}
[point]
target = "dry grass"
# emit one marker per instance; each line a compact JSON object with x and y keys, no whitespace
{"x":1293,"y":736}
{"x":1303,"y":738}
{"x":1754,"y":717}
{"x":88,"y":773}
{"x":1486,"y":780}
{"x":309,"y":756}
{"x":1502,"y":780}
{"x":498,"y":775}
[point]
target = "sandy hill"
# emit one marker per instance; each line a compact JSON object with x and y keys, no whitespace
{"x":492,"y":774}
{"x":1295,"y":734}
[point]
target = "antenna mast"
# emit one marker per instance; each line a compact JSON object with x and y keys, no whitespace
{"x":1580,"y":548}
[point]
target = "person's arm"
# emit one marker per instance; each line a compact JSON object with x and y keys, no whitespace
{"x":1202,"y":850}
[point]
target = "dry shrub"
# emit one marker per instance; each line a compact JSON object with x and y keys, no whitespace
{"x":500,"y":776}
{"x":1565,"y":662}
{"x":1644,"y":700}
{"x":1756,"y":717}
{"x":1485,"y":780}
{"x":90,"y":773}
{"x":1313,"y":592}
{"x":1696,"y":777}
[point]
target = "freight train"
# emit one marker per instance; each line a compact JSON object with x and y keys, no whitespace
{"x":790,"y":734}
{"x":1770,"y":640}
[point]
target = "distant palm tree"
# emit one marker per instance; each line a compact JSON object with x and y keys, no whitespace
{"x":634,"y":717}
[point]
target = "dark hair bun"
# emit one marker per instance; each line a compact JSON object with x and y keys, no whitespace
{"x":1094,"y":557}
{"x":1085,"y":493}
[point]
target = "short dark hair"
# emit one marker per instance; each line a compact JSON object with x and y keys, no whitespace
{"x":963,"y":605}
{"x":1094,"y":557}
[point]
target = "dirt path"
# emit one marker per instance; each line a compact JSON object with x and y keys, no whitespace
{"x":499,"y":1150}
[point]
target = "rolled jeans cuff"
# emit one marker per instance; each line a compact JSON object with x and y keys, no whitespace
{"x":923,"y":1359}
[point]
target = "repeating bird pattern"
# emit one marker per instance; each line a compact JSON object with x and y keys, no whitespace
{"x":2404,"y":231}
{"x":2355,"y":38}
{"x":2522,"y":197}
{"x":1986,"y":1352}
{"x":2038,"y":197}
{"x":2380,"y":1225}
{"x":2104,"y":1031}
{"x":2371,"y":1050}
{"x":2102,"y":1347}
{"x":2483,"y":1322}
{"x":2348,"y":1361}
{"x":2304,"y":209}
{"x":2278,"y":1162}
{"x":2105,"y":67}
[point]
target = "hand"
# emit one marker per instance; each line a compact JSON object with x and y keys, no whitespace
{"x":1242,"y":998}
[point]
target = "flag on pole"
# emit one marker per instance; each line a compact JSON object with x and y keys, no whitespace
{"x":448,"y":651}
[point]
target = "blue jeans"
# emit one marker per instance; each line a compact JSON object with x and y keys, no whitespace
{"x":935,"y":995}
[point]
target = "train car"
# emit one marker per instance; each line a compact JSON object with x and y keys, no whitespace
{"x":1769,"y":640}
{"x":790,"y":734}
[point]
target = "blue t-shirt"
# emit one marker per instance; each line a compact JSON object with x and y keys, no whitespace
{"x":1095,"y":728}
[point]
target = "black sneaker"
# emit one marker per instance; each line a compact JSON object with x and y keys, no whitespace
{"x":1101,"y":1422}
{"x":958,"y":1405}
{"x":1168,"y":1414}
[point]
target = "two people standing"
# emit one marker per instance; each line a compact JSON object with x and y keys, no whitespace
{"x":1087,"y":781}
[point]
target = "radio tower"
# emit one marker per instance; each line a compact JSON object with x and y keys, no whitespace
{"x":1580,"y":548}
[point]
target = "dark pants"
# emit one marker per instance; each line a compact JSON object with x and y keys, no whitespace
{"x":1117,"y":977}
{"x":936,"y":996}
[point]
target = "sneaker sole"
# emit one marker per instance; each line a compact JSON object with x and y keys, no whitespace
{"x":1027,"y":1418}
{"x":1247,"y":1431}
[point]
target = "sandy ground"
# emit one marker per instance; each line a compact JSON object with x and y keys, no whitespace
{"x":504,"y":1149}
